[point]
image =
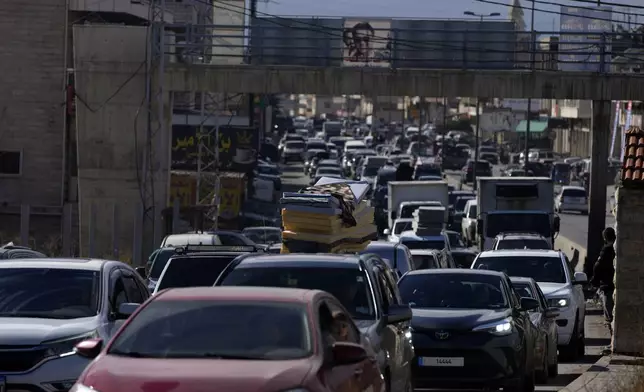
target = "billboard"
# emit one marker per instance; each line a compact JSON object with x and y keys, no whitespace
{"x":366,"y":43}
{"x":579,"y":38}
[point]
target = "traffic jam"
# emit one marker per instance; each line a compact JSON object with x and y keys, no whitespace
{"x":383,"y":276}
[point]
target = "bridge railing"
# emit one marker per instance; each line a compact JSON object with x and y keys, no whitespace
{"x":341,"y":42}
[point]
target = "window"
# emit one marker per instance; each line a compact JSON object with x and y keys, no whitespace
{"x":10,"y":163}
{"x":193,"y":271}
{"x":472,"y":211}
{"x":387,"y":296}
{"x":118,"y":295}
{"x":231,"y":240}
{"x":545,"y":269}
{"x":132,"y":290}
{"x":343,"y":328}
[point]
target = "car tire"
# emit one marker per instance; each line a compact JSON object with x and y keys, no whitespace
{"x":570,"y":352}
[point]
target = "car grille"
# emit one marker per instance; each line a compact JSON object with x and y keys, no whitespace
{"x":20,"y":358}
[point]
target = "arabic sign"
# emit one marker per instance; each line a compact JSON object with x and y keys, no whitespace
{"x":583,"y":47}
{"x":366,"y":43}
{"x":237,"y":148}
{"x":231,"y":192}
{"x":184,"y":188}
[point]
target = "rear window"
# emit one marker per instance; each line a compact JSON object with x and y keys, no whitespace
{"x":463,"y":260}
{"x":573,"y":193}
{"x":425,"y":262}
{"x":420,"y":244}
{"x":526,"y":243}
{"x":193,"y":271}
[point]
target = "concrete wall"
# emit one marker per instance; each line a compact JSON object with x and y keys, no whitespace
{"x":31,"y":107}
{"x":111,"y":133}
{"x":629,"y":296}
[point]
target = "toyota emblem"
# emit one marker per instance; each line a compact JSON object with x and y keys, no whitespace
{"x":442,"y":335}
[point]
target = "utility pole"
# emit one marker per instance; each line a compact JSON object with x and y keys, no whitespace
{"x":476,"y":143}
{"x":532,"y":66}
{"x":444,"y":128}
{"x":251,"y":97}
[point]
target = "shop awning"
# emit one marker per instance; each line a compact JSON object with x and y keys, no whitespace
{"x":535,"y":126}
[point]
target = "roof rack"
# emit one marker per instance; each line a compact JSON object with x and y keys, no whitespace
{"x":214,"y":248}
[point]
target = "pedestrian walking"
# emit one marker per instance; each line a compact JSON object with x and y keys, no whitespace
{"x":604,"y":274}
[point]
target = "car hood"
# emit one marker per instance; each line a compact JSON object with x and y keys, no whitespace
{"x":112,"y":373}
{"x":33,"y":331}
{"x":555,"y":289}
{"x":460,"y":319}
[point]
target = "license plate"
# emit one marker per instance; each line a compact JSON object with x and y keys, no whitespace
{"x":3,"y":384}
{"x":442,"y":361}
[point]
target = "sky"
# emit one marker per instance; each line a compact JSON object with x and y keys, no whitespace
{"x":435,"y":9}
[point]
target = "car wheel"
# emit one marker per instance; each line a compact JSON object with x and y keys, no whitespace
{"x":570,"y":352}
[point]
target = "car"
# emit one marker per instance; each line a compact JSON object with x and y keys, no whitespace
{"x":469,"y":222}
{"x":469,"y":330}
{"x":561,"y":285}
{"x":491,"y":157}
{"x":217,"y":237}
{"x":400,"y":225}
{"x":270,"y":173}
{"x":51,"y":304}
{"x":322,"y":163}
{"x":397,"y":256}
{"x":414,"y":241}
{"x":190,"y":267}
{"x":293,"y":151}
{"x":10,"y":251}
{"x":572,"y":198}
{"x":483,"y":169}
{"x":328,"y":171}
{"x":520,"y":241}
{"x":455,"y":240}
{"x":316,"y":144}
{"x":457,"y":209}
{"x":265,"y":235}
{"x":432,"y":258}
{"x":364,"y":285}
{"x":233,"y":338}
{"x":407,"y":208}
{"x":463,"y":257}
{"x":543,"y":318}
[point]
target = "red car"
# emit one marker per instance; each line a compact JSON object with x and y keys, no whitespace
{"x":241,"y":339}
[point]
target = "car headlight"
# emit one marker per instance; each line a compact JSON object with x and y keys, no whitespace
{"x":82,"y":388}
{"x":500,"y":328}
{"x":65,"y":346}
{"x":558,"y":302}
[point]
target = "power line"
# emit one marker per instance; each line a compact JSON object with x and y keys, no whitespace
{"x":586,"y":8}
{"x":548,"y":11}
{"x":602,"y":2}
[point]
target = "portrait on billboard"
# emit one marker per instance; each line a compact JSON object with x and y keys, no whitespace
{"x":367,"y":43}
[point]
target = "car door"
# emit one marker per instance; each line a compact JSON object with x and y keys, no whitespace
{"x":524,"y":326}
{"x":117,"y":295}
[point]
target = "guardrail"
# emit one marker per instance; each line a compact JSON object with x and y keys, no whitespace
{"x":335,"y":42}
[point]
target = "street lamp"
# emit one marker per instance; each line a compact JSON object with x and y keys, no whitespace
{"x":491,"y":15}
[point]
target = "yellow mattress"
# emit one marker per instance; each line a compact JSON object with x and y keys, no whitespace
{"x":352,"y":234}
{"x":340,"y":248}
{"x":321,"y":223}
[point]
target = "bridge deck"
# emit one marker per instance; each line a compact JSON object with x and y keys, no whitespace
{"x":400,"y":82}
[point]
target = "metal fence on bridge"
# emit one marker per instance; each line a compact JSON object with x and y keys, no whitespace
{"x":492,"y":45}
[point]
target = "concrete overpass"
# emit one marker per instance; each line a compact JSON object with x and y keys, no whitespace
{"x":263,"y":79}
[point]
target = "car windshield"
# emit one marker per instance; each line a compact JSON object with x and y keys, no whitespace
{"x":454,"y":291}
{"x":271,"y":170}
{"x":203,"y":328}
{"x":193,"y":271}
{"x":295,"y":145}
{"x":423,"y":244}
{"x":428,"y":171}
{"x":547,"y":269}
{"x":328,"y":170}
{"x":53,"y":293}
{"x":318,"y":146}
{"x":370,"y":171}
{"x":463,"y":260}
{"x":399,"y":226}
{"x":523,"y":243}
{"x":523,"y":290}
{"x":579,"y":193}
{"x":260,"y":236}
{"x":517,"y":223}
{"x":424,"y":261}
{"x":348,"y":285}
{"x":460,"y":203}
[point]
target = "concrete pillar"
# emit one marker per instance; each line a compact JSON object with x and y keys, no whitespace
{"x":600,"y":135}
{"x":628,"y":324}
{"x":111,"y":126}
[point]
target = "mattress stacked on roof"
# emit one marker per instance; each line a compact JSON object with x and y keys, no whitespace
{"x":328,"y":217}
{"x":428,"y":221}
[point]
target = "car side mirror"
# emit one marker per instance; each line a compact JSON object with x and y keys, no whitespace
{"x":556,"y":224}
{"x":551,"y":313}
{"x":398,"y":314}
{"x":479,"y":226}
{"x":580,"y":278}
{"x":529,"y":304}
{"x":125,"y":310}
{"x":345,"y":353}
{"x":89,"y":348}
{"x":142,"y":272}
{"x":386,"y":232}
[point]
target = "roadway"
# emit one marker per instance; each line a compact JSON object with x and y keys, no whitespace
{"x":293,"y":179}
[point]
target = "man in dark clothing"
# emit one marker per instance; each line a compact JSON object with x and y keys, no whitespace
{"x":604,"y":273}
{"x":404,"y":172}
